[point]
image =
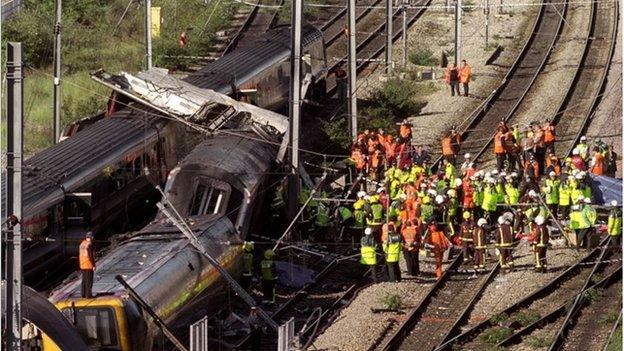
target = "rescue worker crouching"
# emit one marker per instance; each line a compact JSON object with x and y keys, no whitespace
{"x":368,"y":252}
{"x":86,"y":259}
{"x":269,"y":277}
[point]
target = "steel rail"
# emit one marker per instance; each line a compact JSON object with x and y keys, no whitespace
{"x":526,"y":301}
{"x":538,"y":71}
{"x":361,"y":15}
{"x":579,"y":300}
{"x":250,"y":17}
{"x":407,"y":325}
{"x":473,"y":121}
{"x":612,"y":332}
{"x":603,"y":79}
{"x":559,"y":311}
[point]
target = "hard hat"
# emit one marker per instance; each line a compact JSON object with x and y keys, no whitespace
{"x":366,"y":197}
{"x":368,"y":231}
{"x":472,"y":177}
{"x":467,"y":155}
{"x":501,"y":220}
{"x":458,"y":182}
{"x":614,"y":203}
{"x":580,"y":198}
{"x":432,"y":192}
{"x":494,"y":172}
{"x":491,"y":180}
{"x":579,"y":176}
{"x":587,"y":200}
{"x":514,"y":174}
{"x":488,"y":174}
{"x":269,"y":254}
{"x":248,"y":246}
{"x":552,"y":174}
{"x":502,"y":174}
{"x":508,"y":216}
{"x":532,"y":193}
{"x":583,"y":138}
{"x":575,"y":151}
{"x":439,"y":199}
{"x":451,"y":193}
{"x":466,"y":215}
{"x":380,"y":190}
{"x":539,"y":220}
{"x":423,"y":185}
{"x":402,"y":197}
{"x":582,"y":174}
{"x":361,"y":194}
{"x":481,"y":222}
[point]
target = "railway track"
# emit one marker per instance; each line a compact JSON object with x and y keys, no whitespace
{"x":443,"y":309}
{"x":555,"y":322}
{"x":259,"y":20}
{"x":576,"y":109}
{"x":332,"y":288}
{"x":504,"y":102}
{"x":540,"y":302}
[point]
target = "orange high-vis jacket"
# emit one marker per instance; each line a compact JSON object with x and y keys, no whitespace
{"x":598,"y":167}
{"x":499,"y":147}
{"x":85,"y":256}
{"x":411,"y":236}
{"x":358,"y":159}
{"x":465,"y":73}
{"x":549,"y":133}
{"x":531,"y":168}
{"x":376,"y":159}
{"x":405,"y":131}
{"x":447,"y":149}
{"x":439,"y":241}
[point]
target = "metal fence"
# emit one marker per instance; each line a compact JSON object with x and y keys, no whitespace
{"x":286,"y":335}
{"x":199,"y":335}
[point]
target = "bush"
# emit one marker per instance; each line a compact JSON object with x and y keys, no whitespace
{"x":397,"y":97}
{"x":499,"y":318}
{"x":422,"y":58}
{"x":495,"y":335}
{"x":392,"y":301}
{"x":526,"y":318}
{"x":537,"y":342}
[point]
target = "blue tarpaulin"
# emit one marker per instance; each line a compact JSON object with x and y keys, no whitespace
{"x":293,"y":275}
{"x":606,"y":189}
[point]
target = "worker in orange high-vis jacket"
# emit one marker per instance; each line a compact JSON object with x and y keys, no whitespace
{"x":86,"y":260}
{"x":549,"y":137}
{"x":405,"y":132}
{"x":465,"y":74}
{"x":597,"y":162}
{"x":438,"y":243}
{"x":499,"y":148}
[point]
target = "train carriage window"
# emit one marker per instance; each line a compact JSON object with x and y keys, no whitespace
{"x":96,"y":325}
{"x":210,"y":197}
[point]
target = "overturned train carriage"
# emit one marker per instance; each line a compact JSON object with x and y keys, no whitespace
{"x":95,"y":179}
{"x":218,"y":187}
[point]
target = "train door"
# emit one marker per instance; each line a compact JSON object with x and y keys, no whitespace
{"x":76,"y":219}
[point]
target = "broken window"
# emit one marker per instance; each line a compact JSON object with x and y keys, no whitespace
{"x":210,"y":197}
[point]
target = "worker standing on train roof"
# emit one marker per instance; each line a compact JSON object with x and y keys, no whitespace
{"x":451,"y":77}
{"x":480,"y":243}
{"x":248,"y":258}
{"x":368,"y":252}
{"x":549,"y":137}
{"x":86,"y":258}
{"x":583,"y":148}
{"x":504,"y":242}
{"x":392,"y":249}
{"x":468,"y":227}
{"x":614,"y":224}
{"x":438,"y":243}
{"x":538,"y":238}
{"x":465,"y":74}
{"x":596,"y":164}
{"x":411,"y":232}
{"x":269,"y":277}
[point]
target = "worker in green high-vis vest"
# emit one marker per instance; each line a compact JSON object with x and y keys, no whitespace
{"x":248,"y":258}
{"x":614,"y":224}
{"x":269,"y":277}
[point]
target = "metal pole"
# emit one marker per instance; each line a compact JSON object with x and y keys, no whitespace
{"x":57,"y":71}
{"x":487,"y":22}
{"x":148,"y":34}
{"x":458,"y":13}
{"x":15,"y":105}
{"x":404,"y":36}
{"x":295,"y":104}
{"x":389,"y":37}
{"x":352,"y":71}
{"x":148,"y":309}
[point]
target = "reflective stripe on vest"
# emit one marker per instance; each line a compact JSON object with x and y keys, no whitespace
{"x":266,"y":267}
{"x":247,"y":263}
{"x":392,"y":251}
{"x":368,"y":255}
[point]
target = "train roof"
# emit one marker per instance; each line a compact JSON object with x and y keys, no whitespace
{"x":242,"y":64}
{"x":240,"y":159}
{"x":61,"y":167}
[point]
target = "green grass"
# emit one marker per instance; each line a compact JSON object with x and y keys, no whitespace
{"x":392,"y":301}
{"x":90,"y":40}
{"x":615,"y":344}
{"x":537,"y":342}
{"x":422,"y":58}
{"x":526,"y":318}
{"x":495,"y":335}
{"x":499,"y":318}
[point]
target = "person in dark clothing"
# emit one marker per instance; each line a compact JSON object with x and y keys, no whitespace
{"x":269,"y":277}
{"x":255,"y":329}
{"x":420,"y":156}
{"x":451,"y":76}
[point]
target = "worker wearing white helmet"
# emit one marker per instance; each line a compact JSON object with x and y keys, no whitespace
{"x":582,"y":221}
{"x":504,"y":242}
{"x":368,"y":252}
{"x":458,"y":182}
{"x":439,"y":199}
{"x":551,"y":192}
{"x":539,"y":240}
{"x":614,"y":224}
{"x":583,"y":149}
{"x":479,"y":243}
{"x":361,"y":194}
{"x":467,"y":156}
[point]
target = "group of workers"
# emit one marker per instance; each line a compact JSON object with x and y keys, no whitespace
{"x":415,"y":207}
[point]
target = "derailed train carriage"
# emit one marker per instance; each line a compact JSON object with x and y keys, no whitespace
{"x":95,"y":178}
{"x":218,"y":187}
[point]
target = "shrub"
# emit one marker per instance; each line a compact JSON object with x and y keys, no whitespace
{"x":499,"y":318}
{"x":526,"y":318}
{"x":495,"y":335}
{"x":392,"y":301}
{"x":422,"y":58}
{"x":537,"y":342}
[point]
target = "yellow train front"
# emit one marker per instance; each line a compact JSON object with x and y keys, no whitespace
{"x":218,"y":188}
